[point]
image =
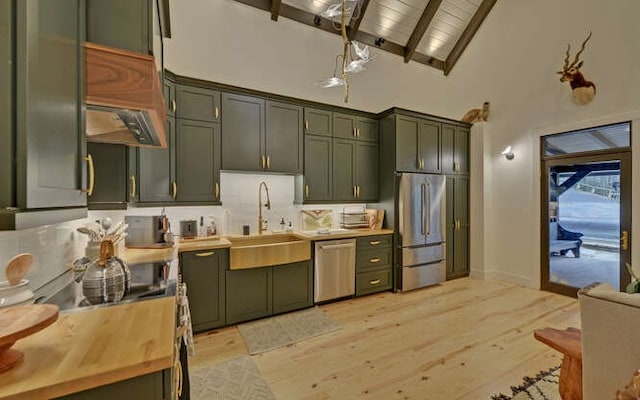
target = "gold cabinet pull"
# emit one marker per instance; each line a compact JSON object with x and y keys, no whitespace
{"x":374,"y":281}
{"x":374,"y":242}
{"x":624,"y":241}
{"x":268,"y":162}
{"x":179,"y":378}
{"x":374,"y":260}
{"x":217,"y":190}
{"x":216,"y":112}
{"x":456,"y":166}
{"x":264,"y":161}
{"x":173,"y":106}
{"x":358,"y":191}
{"x":207,"y":254}
{"x":354,"y":192}
{"x":306,"y":191}
{"x":306,"y":125}
{"x":92,"y":175}
{"x":132,"y":194}
{"x":357,"y":132}
{"x":174,"y":192}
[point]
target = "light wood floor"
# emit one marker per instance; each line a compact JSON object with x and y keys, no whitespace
{"x":465,"y":339}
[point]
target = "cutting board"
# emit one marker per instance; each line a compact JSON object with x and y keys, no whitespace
{"x":19,"y":322}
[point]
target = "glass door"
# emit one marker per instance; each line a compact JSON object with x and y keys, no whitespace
{"x":586,"y":211}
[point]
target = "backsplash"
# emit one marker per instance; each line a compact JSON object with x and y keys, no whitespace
{"x":56,"y":246}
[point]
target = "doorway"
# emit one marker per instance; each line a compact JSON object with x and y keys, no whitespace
{"x":586,"y":210}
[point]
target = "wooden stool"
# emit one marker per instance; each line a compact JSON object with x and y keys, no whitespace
{"x":568,"y":342}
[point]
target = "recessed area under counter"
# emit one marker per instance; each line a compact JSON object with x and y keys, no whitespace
{"x":94,"y":347}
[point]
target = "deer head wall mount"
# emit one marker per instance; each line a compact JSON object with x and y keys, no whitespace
{"x":583,"y":90}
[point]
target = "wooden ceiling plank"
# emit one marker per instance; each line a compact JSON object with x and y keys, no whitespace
{"x":307,"y":18}
{"x":421,"y":28}
{"x":600,"y":137}
{"x":275,"y":9}
{"x":354,"y":24}
{"x":468,"y":34}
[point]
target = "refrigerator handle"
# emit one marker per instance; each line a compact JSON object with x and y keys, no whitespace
{"x":427,"y":208}
{"x":423,"y":209}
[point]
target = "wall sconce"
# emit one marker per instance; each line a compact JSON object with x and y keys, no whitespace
{"x":507,"y":153}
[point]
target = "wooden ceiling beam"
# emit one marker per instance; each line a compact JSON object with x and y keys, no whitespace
{"x":316,"y":21}
{"x":467,"y":35}
{"x":354,"y":24}
{"x":275,"y":9}
{"x":421,"y":28}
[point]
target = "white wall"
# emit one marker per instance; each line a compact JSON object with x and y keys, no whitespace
{"x":511,"y":62}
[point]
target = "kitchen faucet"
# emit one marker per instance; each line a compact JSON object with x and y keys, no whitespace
{"x":262,"y":224}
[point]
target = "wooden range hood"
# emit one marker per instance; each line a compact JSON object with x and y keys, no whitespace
{"x":124,"y":98}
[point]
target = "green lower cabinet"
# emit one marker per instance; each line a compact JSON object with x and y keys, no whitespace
{"x":204,"y":274}
{"x":457,"y":225}
{"x":249,"y":294}
{"x":155,"y":386}
{"x":261,"y":292}
{"x":292,"y":286}
{"x":373,"y":281}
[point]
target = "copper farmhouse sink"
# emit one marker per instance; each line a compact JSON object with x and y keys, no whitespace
{"x":267,"y":250}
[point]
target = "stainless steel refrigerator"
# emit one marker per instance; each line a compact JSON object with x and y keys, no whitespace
{"x":421,"y":230}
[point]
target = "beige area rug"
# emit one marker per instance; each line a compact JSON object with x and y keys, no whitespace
{"x":282,"y":330}
{"x":237,"y":379}
{"x":543,"y":386}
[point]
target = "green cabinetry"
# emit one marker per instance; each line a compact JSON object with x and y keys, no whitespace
{"x":196,"y":103}
{"x":457,"y":226}
{"x":418,"y":145}
{"x":318,"y":122}
{"x":374,"y":261}
{"x":455,"y":149}
{"x":348,"y":126}
{"x":197,"y":161}
{"x":355,"y":170}
{"x":318,"y":161}
{"x":260,"y":292}
{"x":249,"y":294}
{"x":157,"y":170}
{"x":204,"y":273}
{"x":42,"y":146}
{"x":261,"y":135}
{"x":111,"y":189}
{"x":154,"y":386}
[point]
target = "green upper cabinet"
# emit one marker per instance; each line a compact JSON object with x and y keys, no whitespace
{"x":418,"y":145}
{"x":318,"y":122}
{"x":457,"y":226}
{"x":344,"y":170}
{"x":169,"y":94}
{"x":111,"y":175}
{"x":355,"y":170}
{"x":157,"y":170}
{"x":348,"y":126}
{"x":261,"y":135}
{"x":42,"y":89}
{"x":204,"y":273}
{"x":242,"y":133}
{"x":283,"y":142}
{"x":455,"y":149}
{"x":318,"y":159}
{"x":367,"y":170}
{"x":124,"y":24}
{"x":197,"y":161}
{"x":197,"y":103}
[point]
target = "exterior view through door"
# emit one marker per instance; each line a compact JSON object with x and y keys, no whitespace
{"x":586,"y":208}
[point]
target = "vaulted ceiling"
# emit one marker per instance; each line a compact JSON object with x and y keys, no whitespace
{"x":431,"y":32}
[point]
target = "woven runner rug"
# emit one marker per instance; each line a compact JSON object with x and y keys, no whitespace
{"x":282,"y":330}
{"x":237,"y":379}
{"x":543,"y":386}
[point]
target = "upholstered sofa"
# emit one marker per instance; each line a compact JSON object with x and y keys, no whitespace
{"x":562,"y":240}
{"x":610,"y":322}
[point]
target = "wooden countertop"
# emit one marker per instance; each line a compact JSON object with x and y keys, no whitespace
{"x":89,"y":348}
{"x":142,"y":256}
{"x":196,"y":245}
{"x":345,"y":235}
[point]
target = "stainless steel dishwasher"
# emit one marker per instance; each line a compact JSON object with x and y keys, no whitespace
{"x":335,"y":269}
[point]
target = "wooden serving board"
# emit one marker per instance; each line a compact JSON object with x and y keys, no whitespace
{"x":19,"y":322}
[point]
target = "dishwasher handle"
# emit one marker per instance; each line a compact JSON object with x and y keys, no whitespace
{"x":336,"y":246}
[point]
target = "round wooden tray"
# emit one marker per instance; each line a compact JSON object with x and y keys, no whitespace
{"x":19,"y":322}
